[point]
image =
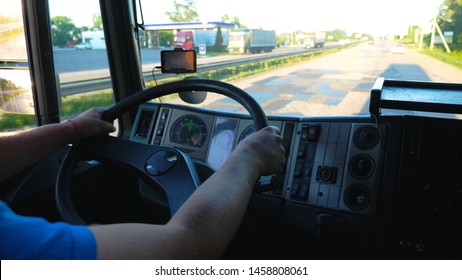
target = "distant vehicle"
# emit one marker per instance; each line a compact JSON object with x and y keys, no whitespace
{"x":83,"y":46}
{"x":252,"y":41}
{"x":193,"y":39}
{"x":398,"y":48}
{"x":314,"y":39}
{"x":95,"y":39}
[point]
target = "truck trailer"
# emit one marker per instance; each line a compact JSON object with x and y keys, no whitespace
{"x":252,"y":41}
{"x":95,"y":39}
{"x":193,"y":39}
{"x":314,"y":39}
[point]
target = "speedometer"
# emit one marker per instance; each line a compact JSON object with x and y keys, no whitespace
{"x":189,"y":130}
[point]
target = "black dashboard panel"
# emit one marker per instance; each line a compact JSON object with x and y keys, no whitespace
{"x":429,"y":210}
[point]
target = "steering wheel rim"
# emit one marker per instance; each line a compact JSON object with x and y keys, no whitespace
{"x":104,"y":147}
{"x":228,"y":90}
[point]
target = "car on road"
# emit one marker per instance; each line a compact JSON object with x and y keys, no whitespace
{"x":84,"y":46}
{"x":397,"y":48}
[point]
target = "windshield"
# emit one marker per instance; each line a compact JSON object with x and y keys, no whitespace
{"x":337,"y":52}
{"x":236,"y":38}
{"x":302,"y":59}
{"x":179,"y":38}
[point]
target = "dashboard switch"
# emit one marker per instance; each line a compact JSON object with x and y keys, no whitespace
{"x":313,"y":133}
{"x":294,"y":189}
{"x":160,"y":130}
{"x":269,"y":183}
{"x":303,"y":191}
{"x":301,"y":151}
{"x":304,"y":135}
{"x":298,"y":170}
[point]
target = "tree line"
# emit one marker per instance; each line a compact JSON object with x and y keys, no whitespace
{"x":63,"y":30}
{"x":450,"y":19}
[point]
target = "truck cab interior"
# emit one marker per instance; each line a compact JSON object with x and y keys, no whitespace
{"x":372,"y":138}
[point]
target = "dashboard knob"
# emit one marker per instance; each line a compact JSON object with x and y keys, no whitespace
{"x":366,"y":137}
{"x":361,"y":166}
{"x":357,"y":197}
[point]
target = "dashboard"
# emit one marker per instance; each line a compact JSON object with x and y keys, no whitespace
{"x":353,"y":187}
{"x":330,"y":164}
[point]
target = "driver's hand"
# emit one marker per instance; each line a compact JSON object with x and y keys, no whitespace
{"x":265,"y":149}
{"x":89,"y":123}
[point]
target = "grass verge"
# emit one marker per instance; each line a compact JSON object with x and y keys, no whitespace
{"x":453,"y":58}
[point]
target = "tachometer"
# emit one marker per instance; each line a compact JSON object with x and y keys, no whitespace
{"x":189,"y":130}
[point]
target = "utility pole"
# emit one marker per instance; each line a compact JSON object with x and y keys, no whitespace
{"x":421,"y":37}
{"x":432,"y":41}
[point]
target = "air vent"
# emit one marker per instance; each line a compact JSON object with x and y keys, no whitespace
{"x":435,"y":142}
{"x":142,"y":130}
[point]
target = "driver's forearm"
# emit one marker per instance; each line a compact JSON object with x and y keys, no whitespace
{"x":201,"y":229}
{"x":23,"y":149}
{"x":214,"y":212}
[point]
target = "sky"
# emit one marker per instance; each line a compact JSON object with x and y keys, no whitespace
{"x":289,"y":15}
{"x":367,"y":16}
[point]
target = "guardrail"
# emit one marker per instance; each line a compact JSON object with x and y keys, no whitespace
{"x":10,"y":27}
{"x":75,"y":87}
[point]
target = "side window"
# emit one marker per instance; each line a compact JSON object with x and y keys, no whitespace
{"x":80,"y":56}
{"x":16,"y":102}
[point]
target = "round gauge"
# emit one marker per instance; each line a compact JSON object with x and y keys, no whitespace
{"x":189,"y":130}
{"x":249,"y":130}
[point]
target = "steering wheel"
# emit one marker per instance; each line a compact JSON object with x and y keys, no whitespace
{"x":167,"y":167}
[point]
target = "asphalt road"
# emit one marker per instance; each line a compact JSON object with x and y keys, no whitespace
{"x":72,"y":60}
{"x":338,"y":84}
{"x":69,"y":60}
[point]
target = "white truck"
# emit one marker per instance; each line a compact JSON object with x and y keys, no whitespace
{"x":251,"y":41}
{"x":95,"y":39}
{"x":314,"y":39}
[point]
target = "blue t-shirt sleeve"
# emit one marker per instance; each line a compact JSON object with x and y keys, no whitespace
{"x":35,"y":238}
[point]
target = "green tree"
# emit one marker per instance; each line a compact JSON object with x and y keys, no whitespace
{"x":235,"y":20}
{"x":226,"y":18}
{"x":184,"y":11}
{"x":97,"y":22}
{"x":166,"y":38}
{"x":78,"y":37}
{"x":63,"y":30}
{"x":336,"y":34}
{"x":219,"y":40}
{"x":450,"y":19}
{"x":413,"y":33}
{"x":281,"y":40}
